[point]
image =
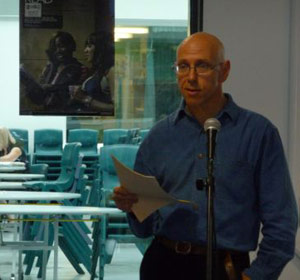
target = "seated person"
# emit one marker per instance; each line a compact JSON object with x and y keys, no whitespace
{"x":9,"y":149}
{"x":62,"y":70}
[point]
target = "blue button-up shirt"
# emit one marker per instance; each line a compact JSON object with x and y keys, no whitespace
{"x":252,"y":186}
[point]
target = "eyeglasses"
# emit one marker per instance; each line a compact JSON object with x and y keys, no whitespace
{"x":200,"y":68}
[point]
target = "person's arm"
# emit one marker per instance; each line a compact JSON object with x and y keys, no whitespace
{"x":13,"y":155}
{"x":101,"y":106}
{"x":277,"y":209}
{"x":89,"y":102}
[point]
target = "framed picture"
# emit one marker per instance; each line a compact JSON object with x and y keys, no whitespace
{"x":67,"y":57}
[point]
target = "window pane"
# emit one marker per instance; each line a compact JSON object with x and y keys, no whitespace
{"x":145,"y":50}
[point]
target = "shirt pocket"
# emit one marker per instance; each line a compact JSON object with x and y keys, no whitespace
{"x":234,"y":181}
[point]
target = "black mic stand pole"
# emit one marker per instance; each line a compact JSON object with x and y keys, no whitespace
{"x":209,"y":185}
{"x":210,"y":189}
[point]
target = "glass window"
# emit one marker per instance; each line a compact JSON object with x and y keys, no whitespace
{"x":145,"y":84}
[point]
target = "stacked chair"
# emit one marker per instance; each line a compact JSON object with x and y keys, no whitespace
{"x":21,"y":135}
{"x":48,"y":150}
{"x":113,"y":229}
{"x":88,"y":138}
{"x":73,"y":239}
{"x":121,"y":136}
{"x":114,"y":136}
{"x":143,"y":133}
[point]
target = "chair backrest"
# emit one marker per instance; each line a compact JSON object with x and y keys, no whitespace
{"x":88,"y":139}
{"x":48,"y":141}
{"x":70,"y":156}
{"x":114,"y":135}
{"x":143,"y":133}
{"x":132,"y":137}
{"x":21,"y":135}
{"x":125,"y":153}
{"x":70,"y":162}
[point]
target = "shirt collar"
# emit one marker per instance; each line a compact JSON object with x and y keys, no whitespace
{"x":231,"y":109}
{"x":179,"y":113}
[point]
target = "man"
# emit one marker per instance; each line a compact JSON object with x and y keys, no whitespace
{"x":252,"y":183}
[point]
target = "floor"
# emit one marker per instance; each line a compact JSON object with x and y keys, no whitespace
{"x":124,"y":266}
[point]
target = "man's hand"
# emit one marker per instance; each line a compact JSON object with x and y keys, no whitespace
{"x":124,"y":199}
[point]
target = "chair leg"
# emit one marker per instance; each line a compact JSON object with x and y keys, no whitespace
{"x":63,"y":246}
{"x":102,"y":242}
{"x":95,"y":247}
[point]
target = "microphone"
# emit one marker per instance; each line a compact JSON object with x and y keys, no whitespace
{"x":211,"y":127}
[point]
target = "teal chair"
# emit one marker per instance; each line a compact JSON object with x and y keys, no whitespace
{"x":48,"y":142}
{"x":132,"y":136}
{"x":69,"y":162}
{"x":74,"y":240}
{"x":114,"y":136}
{"x":113,"y":229}
{"x":126,"y":153}
{"x":39,"y":168}
{"x":21,"y":135}
{"x":48,"y":149}
{"x":88,"y":139}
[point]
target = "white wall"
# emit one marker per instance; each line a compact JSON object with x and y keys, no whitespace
{"x":9,"y":85}
{"x":294,"y":151}
{"x":256,"y":37}
{"x":262,"y":41}
{"x":294,"y":120}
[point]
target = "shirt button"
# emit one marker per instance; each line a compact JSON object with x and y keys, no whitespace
{"x":201,"y":156}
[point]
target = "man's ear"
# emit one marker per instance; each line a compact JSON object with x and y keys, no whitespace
{"x":224,"y":71}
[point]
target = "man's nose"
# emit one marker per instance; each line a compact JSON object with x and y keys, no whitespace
{"x":192,"y":75}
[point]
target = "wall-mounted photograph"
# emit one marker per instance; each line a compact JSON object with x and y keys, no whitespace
{"x":67,"y":57}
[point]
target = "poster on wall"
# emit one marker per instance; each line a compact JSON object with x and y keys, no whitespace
{"x":67,"y":57}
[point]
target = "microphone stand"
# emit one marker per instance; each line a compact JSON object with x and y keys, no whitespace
{"x":209,"y":184}
{"x":210,"y":189}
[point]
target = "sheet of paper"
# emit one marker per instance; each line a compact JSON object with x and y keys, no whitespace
{"x":151,"y":195}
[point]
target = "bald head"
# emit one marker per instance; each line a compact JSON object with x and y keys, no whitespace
{"x":203,"y":40}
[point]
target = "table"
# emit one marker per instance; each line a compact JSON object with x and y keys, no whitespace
{"x":35,"y":196}
{"x":29,"y":195}
{"x":20,"y":176}
{"x":12,"y":166}
{"x":55,"y":212}
{"x":12,"y":186}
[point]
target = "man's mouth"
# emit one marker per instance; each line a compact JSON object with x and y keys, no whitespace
{"x":192,"y":90}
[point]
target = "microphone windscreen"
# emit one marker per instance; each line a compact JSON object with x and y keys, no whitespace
{"x":212,"y":123}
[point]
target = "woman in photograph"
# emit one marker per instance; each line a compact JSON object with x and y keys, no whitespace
{"x":96,"y":92}
{"x":62,"y":69}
